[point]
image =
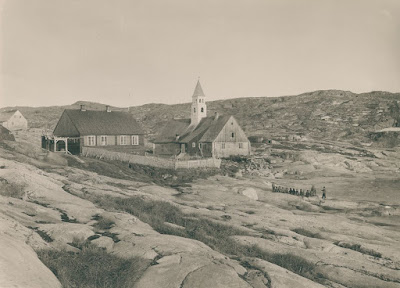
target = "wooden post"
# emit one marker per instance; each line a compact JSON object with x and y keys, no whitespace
{"x":55,"y":145}
{"x":66,"y":145}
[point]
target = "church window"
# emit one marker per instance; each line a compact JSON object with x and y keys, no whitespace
{"x":240,"y":145}
{"x":233,"y":134}
{"x":194,"y":110}
{"x":202,"y":109}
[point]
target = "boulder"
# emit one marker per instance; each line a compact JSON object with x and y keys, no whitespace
{"x":250,"y":193}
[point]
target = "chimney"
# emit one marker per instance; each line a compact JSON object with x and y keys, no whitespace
{"x":83,"y":107}
{"x":108,"y":109}
{"x":216,"y":116}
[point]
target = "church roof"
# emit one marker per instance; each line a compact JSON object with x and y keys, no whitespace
{"x":198,"y":91}
{"x":172,"y":129}
{"x":206,"y":131}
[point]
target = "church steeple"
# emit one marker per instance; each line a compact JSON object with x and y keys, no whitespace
{"x":199,"y":107}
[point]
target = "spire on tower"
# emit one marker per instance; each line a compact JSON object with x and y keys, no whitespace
{"x":198,"y":91}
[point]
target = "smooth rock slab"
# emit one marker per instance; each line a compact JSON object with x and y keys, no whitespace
{"x":20,"y":266}
{"x":216,"y":276}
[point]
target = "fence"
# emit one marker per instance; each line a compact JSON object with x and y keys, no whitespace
{"x":150,"y":160}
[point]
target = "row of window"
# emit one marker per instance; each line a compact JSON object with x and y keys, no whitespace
{"x":123,"y":140}
{"x":200,"y":100}
{"x":222,"y":145}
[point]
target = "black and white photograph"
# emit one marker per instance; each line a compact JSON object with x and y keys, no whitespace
{"x":199,"y":143}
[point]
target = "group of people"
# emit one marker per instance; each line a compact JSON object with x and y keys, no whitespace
{"x":299,"y":192}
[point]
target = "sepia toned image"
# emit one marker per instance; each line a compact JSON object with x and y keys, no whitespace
{"x":199,"y":144}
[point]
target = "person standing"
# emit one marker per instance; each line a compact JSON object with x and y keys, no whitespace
{"x":324,"y":193}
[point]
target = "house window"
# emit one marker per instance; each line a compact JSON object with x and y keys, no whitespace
{"x":223,"y":146}
{"x":200,"y":146}
{"x":91,"y":140}
{"x":103,"y":140}
{"x":135,"y":140}
{"x":240,"y":145}
{"x":202,"y":109}
{"x":233,"y":134}
{"x":193,"y":144}
{"x":123,"y":140}
{"x":194,"y":110}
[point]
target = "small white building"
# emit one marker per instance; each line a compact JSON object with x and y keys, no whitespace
{"x":13,"y":120}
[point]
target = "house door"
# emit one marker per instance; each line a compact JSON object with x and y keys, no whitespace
{"x":183,"y":149}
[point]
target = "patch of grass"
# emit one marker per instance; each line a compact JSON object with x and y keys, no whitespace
{"x":79,"y":242}
{"x":359,"y":248}
{"x":103,"y":223}
{"x":113,"y":236}
{"x":65,"y":217}
{"x":93,"y":267}
{"x":10,"y":189}
{"x":41,"y":203}
{"x":307,"y":233}
{"x":93,"y":237}
{"x":226,"y":217}
{"x":43,"y":222}
{"x":250,"y":212}
{"x":46,"y":237}
{"x":212,"y":233}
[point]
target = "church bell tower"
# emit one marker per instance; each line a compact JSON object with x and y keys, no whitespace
{"x":199,"y":107}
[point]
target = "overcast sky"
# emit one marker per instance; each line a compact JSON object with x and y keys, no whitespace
{"x":128,"y":53}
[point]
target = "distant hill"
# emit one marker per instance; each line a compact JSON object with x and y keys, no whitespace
{"x":327,"y":114}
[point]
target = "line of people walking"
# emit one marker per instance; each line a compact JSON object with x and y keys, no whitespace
{"x":299,"y":192}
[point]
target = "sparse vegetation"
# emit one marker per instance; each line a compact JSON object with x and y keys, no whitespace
{"x":359,"y":248}
{"x":46,"y":237}
{"x":307,"y":233}
{"x":93,"y":267}
{"x":79,"y":242}
{"x":216,"y":235}
{"x":103,"y":223}
{"x":11,"y":190}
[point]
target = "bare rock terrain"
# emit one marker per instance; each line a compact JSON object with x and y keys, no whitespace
{"x":53,"y":202}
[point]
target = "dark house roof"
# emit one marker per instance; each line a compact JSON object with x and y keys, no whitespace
{"x":172,"y":129}
{"x":5,"y":134}
{"x":4,"y":130}
{"x":96,"y":123}
{"x":207,"y":130}
{"x":4,"y":116}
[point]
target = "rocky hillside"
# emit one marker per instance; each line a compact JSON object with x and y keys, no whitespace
{"x":329,"y":115}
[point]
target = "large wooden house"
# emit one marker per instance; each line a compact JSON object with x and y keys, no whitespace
{"x":13,"y":120}
{"x":202,"y":136}
{"x":113,"y":130}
